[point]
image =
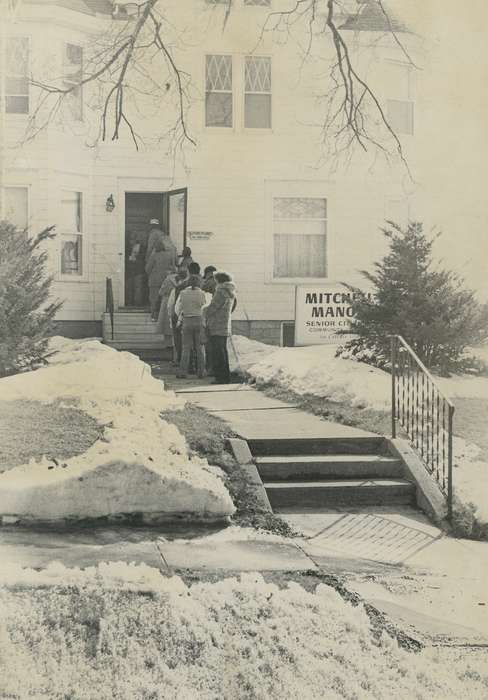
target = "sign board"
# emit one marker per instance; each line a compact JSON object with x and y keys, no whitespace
{"x":199,"y":235}
{"x":321,"y":311}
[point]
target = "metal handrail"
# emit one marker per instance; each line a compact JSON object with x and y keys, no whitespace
{"x":424,"y":413}
{"x":109,"y":302}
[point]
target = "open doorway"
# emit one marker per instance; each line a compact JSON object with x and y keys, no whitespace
{"x":170,"y":209}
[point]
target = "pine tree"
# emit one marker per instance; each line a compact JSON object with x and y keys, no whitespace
{"x":26,"y":312}
{"x":413,"y":297}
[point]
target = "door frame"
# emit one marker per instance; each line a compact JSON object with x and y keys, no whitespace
{"x":142,"y":185}
{"x":168,"y":193}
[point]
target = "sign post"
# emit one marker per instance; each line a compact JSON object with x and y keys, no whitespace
{"x":322,"y":314}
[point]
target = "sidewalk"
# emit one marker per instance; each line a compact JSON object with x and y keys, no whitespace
{"x":427,"y":583}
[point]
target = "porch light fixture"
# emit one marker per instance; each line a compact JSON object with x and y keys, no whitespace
{"x":110,"y":204}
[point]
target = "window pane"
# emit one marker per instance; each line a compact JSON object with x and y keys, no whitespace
{"x":400,"y":116}
{"x":297,"y":256}
{"x":257,"y":74}
{"x":17,"y":56}
{"x":17,"y":105}
{"x":71,"y":255}
{"x":71,"y":212}
{"x":218,"y":73}
{"x":218,"y":109}
{"x":264,"y":3}
{"x":300,"y":208}
{"x":74,"y":101}
{"x":257,"y":112}
{"x":16,"y":85}
{"x":16,"y":206}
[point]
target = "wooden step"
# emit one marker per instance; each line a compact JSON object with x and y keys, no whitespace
{"x":136,"y":345}
{"x":374,"y":445}
{"x":328,"y":466}
{"x":343,"y":492}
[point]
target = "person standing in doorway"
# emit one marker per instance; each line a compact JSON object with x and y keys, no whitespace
{"x":134,"y":263}
{"x":157,"y":268}
{"x":155,"y":234}
{"x":218,"y":325}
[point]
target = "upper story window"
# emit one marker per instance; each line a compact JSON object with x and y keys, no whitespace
{"x":16,"y":206}
{"x":264,"y":3}
{"x":400,"y":97}
{"x":71,"y":229}
{"x":400,"y":116}
{"x":257,"y":92}
{"x":17,"y":75}
{"x":72,"y":76}
{"x":299,"y":237}
{"x":218,"y":91}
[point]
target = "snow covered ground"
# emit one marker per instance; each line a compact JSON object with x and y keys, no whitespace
{"x":315,"y":371}
{"x":128,"y":632}
{"x":140,"y":464}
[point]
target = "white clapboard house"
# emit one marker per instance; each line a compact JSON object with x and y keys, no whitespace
{"x":259,"y":195}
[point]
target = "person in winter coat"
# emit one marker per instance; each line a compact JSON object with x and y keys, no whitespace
{"x":157,"y":268}
{"x":218,"y":325}
{"x":185,"y":258}
{"x":164,"y":318}
{"x":189,"y":308}
{"x":209,"y":282}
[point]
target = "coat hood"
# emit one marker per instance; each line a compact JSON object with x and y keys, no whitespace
{"x":229,"y":288}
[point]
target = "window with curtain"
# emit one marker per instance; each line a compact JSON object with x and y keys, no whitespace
{"x":299,"y":237}
{"x":72,"y":76}
{"x":17,"y":75}
{"x":257,"y":92}
{"x":218,"y":91}
{"x":71,"y":228}
{"x":16,"y":206}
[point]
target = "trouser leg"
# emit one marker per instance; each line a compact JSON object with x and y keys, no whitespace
{"x":187,"y":334}
{"x":220,"y":358}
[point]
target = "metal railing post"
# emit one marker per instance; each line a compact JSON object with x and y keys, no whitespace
{"x":393,"y":385}
{"x":449,"y":463}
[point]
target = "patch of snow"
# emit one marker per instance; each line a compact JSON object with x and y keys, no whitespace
{"x":314,"y":370}
{"x":238,"y":637}
{"x":140,"y":465}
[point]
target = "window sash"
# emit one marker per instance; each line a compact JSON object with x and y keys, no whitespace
{"x":400,"y":114}
{"x":16,"y":206}
{"x":219,"y":108}
{"x":17,"y":75}
{"x":72,"y":234}
{"x":72,"y":77}
{"x":300,"y":238}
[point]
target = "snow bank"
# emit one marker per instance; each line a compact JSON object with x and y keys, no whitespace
{"x":314,"y":370}
{"x":131,"y":633}
{"x":141,"y":463}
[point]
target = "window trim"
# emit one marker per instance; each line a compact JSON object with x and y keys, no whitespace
{"x":61,"y":232}
{"x":297,"y":189}
{"x":19,"y":115}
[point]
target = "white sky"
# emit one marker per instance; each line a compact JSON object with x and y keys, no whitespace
{"x":452,"y":128}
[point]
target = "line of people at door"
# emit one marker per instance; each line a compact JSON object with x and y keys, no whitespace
{"x":195,"y":318}
{"x":192,"y":312}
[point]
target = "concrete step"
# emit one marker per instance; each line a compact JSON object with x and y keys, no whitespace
{"x":343,"y":492}
{"x":375,"y":445}
{"x":329,"y":466}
